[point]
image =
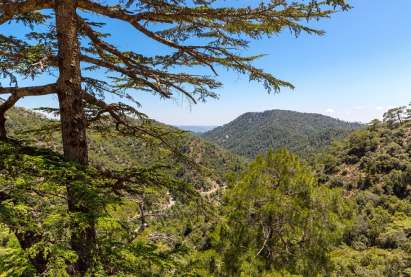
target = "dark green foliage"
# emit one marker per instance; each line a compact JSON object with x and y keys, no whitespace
{"x":377,"y":159}
{"x":395,"y":117}
{"x":104,"y":220}
{"x":33,"y":203}
{"x":149,"y":250}
{"x":271,"y":219}
{"x":302,"y":133}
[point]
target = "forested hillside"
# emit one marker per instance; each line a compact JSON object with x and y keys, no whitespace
{"x":347,"y":214}
{"x":94,"y":187}
{"x":303,"y":133}
{"x":105,"y":191}
{"x":149,"y":223}
{"x":149,"y":198}
{"x":111,"y":150}
{"x":373,"y":166}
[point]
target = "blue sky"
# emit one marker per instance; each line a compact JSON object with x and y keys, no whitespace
{"x":360,"y":68}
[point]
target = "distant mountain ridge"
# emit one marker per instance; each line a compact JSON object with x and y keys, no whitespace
{"x":197,"y":128}
{"x":303,"y":133}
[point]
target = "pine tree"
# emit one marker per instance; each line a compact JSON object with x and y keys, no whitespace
{"x":395,"y":116}
{"x":221,"y":33}
{"x":67,"y":43}
{"x":407,"y":116}
{"x":278,"y":220}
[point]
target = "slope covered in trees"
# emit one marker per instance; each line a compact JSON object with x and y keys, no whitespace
{"x":110,"y":150}
{"x":255,"y":133}
{"x":373,"y":166}
{"x":149,"y":223}
{"x":347,"y":214}
{"x":140,"y":189}
{"x":64,"y":46}
{"x":35,"y":223}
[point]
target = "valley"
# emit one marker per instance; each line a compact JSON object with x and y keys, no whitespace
{"x":368,"y":166}
{"x":106,"y":170}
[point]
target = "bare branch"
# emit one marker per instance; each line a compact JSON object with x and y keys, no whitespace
{"x":29,"y":91}
{"x":9,"y":103}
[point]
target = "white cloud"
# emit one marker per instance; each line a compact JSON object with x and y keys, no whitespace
{"x":330,"y":111}
{"x":379,"y":108}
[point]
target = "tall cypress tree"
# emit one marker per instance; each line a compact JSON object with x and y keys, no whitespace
{"x":68,"y":43}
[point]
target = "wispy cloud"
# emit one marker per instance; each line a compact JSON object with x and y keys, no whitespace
{"x":330,"y":111}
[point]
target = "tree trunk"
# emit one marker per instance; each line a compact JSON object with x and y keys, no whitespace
{"x":27,"y":240}
{"x":73,"y":127}
{"x":3,"y":133}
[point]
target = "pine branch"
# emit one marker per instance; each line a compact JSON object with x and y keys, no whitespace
{"x":10,"y":9}
{"x":126,"y":126}
{"x":217,"y":55}
{"x":126,"y":72}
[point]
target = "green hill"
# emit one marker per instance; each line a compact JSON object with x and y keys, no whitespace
{"x":156,"y":187}
{"x":373,"y":166}
{"x":303,"y":133}
{"x":110,"y":150}
{"x":369,"y":172}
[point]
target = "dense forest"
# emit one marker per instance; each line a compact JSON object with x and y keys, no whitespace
{"x":344,"y":214}
{"x":373,"y":167}
{"x":252,"y":134}
{"x":110,"y":150}
{"x":162,"y":183}
{"x":91,"y":186}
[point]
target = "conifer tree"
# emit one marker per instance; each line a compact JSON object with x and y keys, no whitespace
{"x":407,"y":116}
{"x":395,"y":116}
{"x":73,"y":39}
{"x":278,"y":221}
{"x":68,"y":44}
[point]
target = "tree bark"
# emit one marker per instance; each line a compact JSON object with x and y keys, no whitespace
{"x":4,"y":107}
{"x":3,"y":132}
{"x":73,"y":127}
{"x":73,"y":123}
{"x":27,"y":240}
